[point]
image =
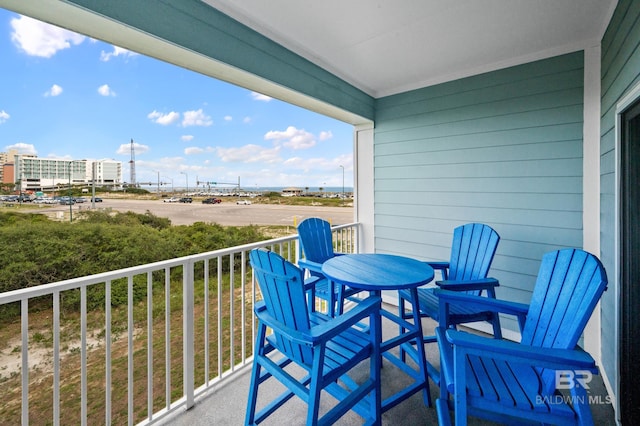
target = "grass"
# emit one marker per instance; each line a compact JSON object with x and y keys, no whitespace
{"x":41,"y":338}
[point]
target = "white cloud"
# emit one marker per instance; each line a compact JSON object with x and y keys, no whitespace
{"x":125,"y":148}
{"x":246,"y":120}
{"x":260,"y":97}
{"x":186,"y":138}
{"x":292,"y":138}
{"x":117,"y":51}
{"x":4,"y":116}
{"x":228,"y":118}
{"x":164,"y":119}
{"x":323,"y":136}
{"x":23,"y":148}
{"x":36,"y":38}
{"x":105,"y":90}
{"x":249,"y":154}
{"x":196,"y":118}
{"x":193,"y":150}
{"x":55,"y":90}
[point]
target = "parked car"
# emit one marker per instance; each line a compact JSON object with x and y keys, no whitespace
{"x":211,"y":200}
{"x":80,"y":200}
{"x":186,"y":199}
{"x":243,"y":202}
{"x":171,"y":200}
{"x":96,"y":199}
{"x":44,"y":200}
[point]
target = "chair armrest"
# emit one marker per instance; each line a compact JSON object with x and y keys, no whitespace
{"x":367,"y":307}
{"x":482,"y":303}
{"x":553,"y":358}
{"x":324,"y":331}
{"x":312,"y":266}
{"x":310,"y":283}
{"x":438,"y":265}
{"x":479,"y":304}
{"x":443,"y":267}
{"x":482,"y":284}
{"x":296,"y":336}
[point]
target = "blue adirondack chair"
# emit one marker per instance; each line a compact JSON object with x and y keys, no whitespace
{"x":326,"y":347}
{"x":317,"y":246}
{"x":472,"y":251}
{"x":513,"y":382}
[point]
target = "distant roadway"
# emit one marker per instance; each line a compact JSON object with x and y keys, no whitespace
{"x":227,"y":213}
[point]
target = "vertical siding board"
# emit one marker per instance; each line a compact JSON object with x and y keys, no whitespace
{"x":512,"y":136}
{"x":620,"y":71}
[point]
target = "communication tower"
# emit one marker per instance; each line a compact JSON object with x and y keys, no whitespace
{"x":132,"y":166}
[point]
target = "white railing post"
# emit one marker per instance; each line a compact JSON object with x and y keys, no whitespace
{"x":24,"y":312}
{"x":107,"y":346}
{"x":130,"y":349}
{"x":56,"y":357}
{"x":83,"y":355}
{"x":188,"y":334}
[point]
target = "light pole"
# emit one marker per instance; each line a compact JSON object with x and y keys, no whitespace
{"x":171,"y":179}
{"x":342,"y":184}
{"x":93,"y":185}
{"x":70,"y":201}
{"x":187,"y":177}
{"x":158,"y":181}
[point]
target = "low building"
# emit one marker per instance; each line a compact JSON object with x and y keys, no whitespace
{"x":32,"y":173}
{"x":291,"y":192}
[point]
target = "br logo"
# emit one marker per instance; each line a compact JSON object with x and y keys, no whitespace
{"x":567,"y":379}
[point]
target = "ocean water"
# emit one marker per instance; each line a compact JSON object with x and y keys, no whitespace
{"x":312,"y":189}
{"x":303,"y":188}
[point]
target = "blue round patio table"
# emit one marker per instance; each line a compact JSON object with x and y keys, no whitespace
{"x":375,"y":272}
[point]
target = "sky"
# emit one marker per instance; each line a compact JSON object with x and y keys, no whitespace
{"x":64,"y":95}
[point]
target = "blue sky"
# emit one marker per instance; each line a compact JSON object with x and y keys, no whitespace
{"x":64,"y":95}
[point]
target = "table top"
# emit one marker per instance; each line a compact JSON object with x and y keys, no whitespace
{"x":377,"y":271}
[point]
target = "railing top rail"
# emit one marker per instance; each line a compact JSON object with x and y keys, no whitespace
{"x":46,"y":289}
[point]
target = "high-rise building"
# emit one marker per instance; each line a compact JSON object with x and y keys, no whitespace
{"x":6,"y":161}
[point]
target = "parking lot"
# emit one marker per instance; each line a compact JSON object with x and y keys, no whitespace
{"x":227,"y":213}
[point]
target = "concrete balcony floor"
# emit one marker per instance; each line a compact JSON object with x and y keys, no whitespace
{"x":226,"y":405}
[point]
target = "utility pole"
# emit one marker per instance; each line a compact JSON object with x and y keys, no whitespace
{"x":132,"y":166}
{"x":93,"y":185}
{"x":342,"y":184}
{"x":187,"y":177}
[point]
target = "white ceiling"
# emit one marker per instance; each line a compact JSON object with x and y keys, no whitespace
{"x":390,"y":46}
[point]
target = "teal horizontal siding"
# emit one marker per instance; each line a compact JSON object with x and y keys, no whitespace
{"x":503,"y":148}
{"x":620,"y":72}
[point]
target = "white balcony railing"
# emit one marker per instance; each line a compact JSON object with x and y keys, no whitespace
{"x":133,"y":345}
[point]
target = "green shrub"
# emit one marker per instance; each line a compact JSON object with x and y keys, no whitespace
{"x":39,"y":251}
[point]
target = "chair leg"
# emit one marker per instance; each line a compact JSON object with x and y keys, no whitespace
{"x":497,"y":330}
{"x":340,"y":300}
{"x":331,"y":308}
{"x":581,"y":405}
{"x":255,"y":377}
{"x":422,"y":357}
{"x":401,"y":315}
{"x":315,"y":388}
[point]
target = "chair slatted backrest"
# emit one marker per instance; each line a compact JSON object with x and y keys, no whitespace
{"x":316,"y":239}
{"x":282,"y":286}
{"x":472,"y":251}
{"x":569,"y":285}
